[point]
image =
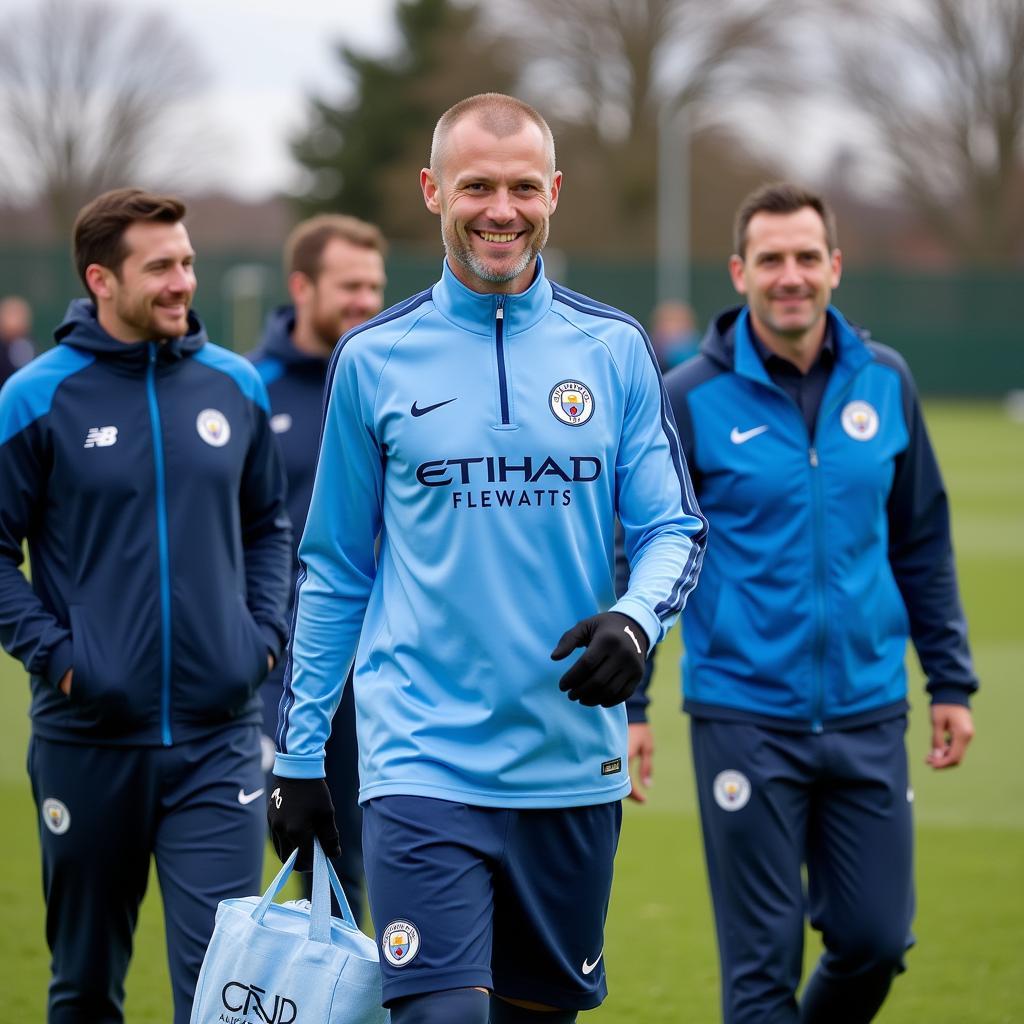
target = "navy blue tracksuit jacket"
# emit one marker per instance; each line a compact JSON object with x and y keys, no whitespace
{"x":157,"y":530}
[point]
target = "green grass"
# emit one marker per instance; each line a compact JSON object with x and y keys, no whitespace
{"x":660,"y":944}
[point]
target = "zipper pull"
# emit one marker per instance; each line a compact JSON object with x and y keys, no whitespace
{"x":812,"y":455}
{"x":152,"y":352}
{"x":499,"y":313}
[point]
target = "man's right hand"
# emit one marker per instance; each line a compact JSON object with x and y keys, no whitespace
{"x":298,"y":810}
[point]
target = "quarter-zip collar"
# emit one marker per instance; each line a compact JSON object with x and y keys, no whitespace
{"x":475,"y":311}
{"x":81,"y":329}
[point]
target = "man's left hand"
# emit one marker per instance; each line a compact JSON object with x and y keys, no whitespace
{"x":641,"y":760}
{"x":613,"y":663}
{"x":952,"y":730}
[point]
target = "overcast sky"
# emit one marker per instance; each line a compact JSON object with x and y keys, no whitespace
{"x":265,"y":57}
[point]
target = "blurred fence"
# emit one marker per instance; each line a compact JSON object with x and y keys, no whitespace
{"x":962,"y":333}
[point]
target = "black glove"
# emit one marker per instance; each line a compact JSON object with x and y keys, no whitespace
{"x":297,"y":810}
{"x":613,"y":664}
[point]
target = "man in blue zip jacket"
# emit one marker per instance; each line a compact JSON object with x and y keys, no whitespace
{"x":830,"y":546}
{"x":488,"y":430}
{"x":137,"y":460}
{"x":335,"y":267}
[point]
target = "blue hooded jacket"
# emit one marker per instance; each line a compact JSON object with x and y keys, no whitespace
{"x":147,"y":483}
{"x":826,"y":552}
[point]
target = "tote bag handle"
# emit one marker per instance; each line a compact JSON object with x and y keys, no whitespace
{"x":324,"y":879}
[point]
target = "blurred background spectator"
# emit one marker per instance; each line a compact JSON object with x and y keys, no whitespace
{"x":673,"y":333}
{"x":16,"y":348}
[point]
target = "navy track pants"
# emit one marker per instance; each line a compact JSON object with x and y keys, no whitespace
{"x":104,"y":812}
{"x":837,"y":803}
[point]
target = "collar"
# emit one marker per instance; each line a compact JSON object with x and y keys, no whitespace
{"x":475,"y":312}
{"x":850,"y":351}
{"x":826,"y":353}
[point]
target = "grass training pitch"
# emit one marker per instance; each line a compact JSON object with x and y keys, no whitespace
{"x":660,"y":948}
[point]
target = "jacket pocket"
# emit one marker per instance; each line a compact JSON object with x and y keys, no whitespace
{"x":112,"y":681}
{"x":245,"y":664}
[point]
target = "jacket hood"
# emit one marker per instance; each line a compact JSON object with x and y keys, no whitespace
{"x":82,"y":329}
{"x":276,"y":341}
{"x":719,"y":342}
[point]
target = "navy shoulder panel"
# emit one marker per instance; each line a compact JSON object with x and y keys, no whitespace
{"x":270,"y":368}
{"x":585,"y":304}
{"x":889,"y":357}
{"x":28,"y":394}
{"x":239,"y":369}
{"x":684,"y":378}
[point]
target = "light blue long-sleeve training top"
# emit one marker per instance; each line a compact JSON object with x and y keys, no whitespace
{"x":490,"y":440}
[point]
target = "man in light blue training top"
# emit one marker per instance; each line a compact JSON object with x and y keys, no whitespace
{"x":489,"y":430}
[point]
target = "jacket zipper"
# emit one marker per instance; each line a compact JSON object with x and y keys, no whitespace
{"x":818,"y":537}
{"x":161,"y":530}
{"x":499,"y":345}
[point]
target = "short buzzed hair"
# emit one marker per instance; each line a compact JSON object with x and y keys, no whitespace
{"x":304,"y":249}
{"x":100,"y":226}
{"x":780,"y":197}
{"x":498,"y":114}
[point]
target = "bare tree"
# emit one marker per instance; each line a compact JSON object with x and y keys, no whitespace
{"x":89,"y":95}
{"x":939,"y":85}
{"x":602,"y":70}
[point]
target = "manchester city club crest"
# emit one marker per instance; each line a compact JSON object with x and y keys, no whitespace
{"x":213,"y":427}
{"x":400,"y":942}
{"x":572,"y":402}
{"x":860,"y":420}
{"x":56,"y":816}
{"x":731,"y":789}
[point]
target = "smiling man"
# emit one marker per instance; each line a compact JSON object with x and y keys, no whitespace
{"x":811,"y":461}
{"x":138,"y":462}
{"x":489,"y":431}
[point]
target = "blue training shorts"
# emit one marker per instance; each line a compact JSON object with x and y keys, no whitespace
{"x":509,"y":900}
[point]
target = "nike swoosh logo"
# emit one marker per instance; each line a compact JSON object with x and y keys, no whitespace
{"x":588,"y":966}
{"x":743,"y":436}
{"x":417,"y":411}
{"x":247,"y":798}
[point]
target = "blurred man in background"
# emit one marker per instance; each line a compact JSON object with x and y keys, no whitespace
{"x":674,"y":333}
{"x":335,"y":269}
{"x":831,"y":545}
{"x":16,"y":347}
{"x":137,"y":460}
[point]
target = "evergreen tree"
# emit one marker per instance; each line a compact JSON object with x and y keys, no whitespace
{"x":364,"y":154}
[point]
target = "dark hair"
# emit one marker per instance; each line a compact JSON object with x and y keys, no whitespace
{"x":101,"y":224}
{"x":780,"y":197}
{"x":304,"y":249}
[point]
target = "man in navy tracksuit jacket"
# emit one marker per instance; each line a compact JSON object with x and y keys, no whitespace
{"x":138,"y":462}
{"x":829,"y":546}
{"x":336,"y":281}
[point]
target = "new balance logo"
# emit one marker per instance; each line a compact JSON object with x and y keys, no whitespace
{"x":100,"y":437}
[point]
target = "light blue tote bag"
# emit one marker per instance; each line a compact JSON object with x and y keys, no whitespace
{"x":291,"y":963}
